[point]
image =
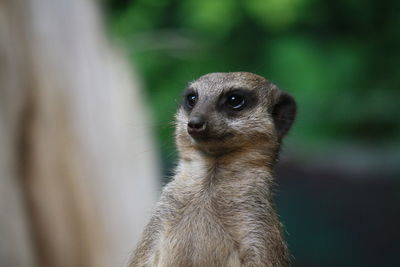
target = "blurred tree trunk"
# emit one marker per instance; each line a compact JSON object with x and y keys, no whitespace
{"x":78,"y":174}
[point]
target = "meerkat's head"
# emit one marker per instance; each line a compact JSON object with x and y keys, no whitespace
{"x":221,"y":112}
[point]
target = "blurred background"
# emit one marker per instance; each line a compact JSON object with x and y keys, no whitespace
{"x":339,"y":177}
{"x":88,"y":90}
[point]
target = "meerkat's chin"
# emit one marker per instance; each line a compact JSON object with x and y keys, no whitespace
{"x":213,"y":146}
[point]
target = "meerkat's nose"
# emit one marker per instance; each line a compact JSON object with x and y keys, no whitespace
{"x":196,"y":125}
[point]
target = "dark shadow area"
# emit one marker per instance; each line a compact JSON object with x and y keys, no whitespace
{"x":336,"y":217}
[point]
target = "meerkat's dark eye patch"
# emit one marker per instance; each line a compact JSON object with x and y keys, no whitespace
{"x":190,"y":98}
{"x":236,"y":100}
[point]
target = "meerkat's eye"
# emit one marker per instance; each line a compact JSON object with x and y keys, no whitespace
{"x":235,"y":102}
{"x":191,"y":100}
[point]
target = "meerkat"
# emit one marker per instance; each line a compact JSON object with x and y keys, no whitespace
{"x":218,"y":209}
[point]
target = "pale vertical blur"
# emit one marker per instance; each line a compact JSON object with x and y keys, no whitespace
{"x":78,"y":178}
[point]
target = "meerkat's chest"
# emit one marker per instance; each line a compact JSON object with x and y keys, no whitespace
{"x":195,"y":236}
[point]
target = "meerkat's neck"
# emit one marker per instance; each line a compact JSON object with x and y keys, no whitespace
{"x":246,"y":165}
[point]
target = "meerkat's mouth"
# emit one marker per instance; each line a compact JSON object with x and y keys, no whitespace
{"x":207,"y":137}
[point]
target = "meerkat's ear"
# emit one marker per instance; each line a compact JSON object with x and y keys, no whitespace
{"x":283,"y":113}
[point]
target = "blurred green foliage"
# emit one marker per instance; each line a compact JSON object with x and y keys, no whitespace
{"x":339,"y":58}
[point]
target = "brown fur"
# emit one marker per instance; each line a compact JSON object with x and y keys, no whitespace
{"x":218,"y":210}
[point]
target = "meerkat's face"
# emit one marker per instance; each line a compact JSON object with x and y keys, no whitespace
{"x":221,"y":112}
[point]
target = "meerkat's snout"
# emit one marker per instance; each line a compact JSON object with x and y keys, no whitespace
{"x":197,"y":126}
